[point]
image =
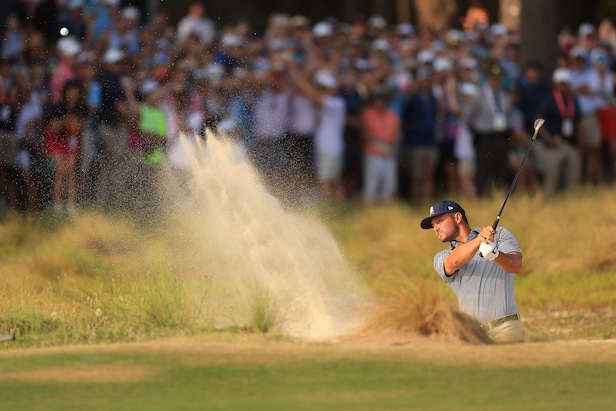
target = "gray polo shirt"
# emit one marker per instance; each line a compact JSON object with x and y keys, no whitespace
{"x":484,"y":290}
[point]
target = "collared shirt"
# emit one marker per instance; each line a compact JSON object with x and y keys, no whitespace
{"x":271,"y":115}
{"x":484,"y":290}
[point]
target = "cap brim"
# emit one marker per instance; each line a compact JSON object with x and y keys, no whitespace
{"x":426,"y":223}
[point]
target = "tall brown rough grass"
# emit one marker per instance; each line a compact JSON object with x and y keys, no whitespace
{"x":413,"y":304}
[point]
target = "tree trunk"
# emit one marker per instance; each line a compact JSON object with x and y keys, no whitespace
{"x":539,"y":33}
{"x":435,"y":13}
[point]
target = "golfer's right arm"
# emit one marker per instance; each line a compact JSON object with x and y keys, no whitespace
{"x":460,"y":256}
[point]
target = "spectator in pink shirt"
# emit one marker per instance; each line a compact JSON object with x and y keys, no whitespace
{"x":68,"y":49}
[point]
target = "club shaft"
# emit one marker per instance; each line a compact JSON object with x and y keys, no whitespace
{"x":515,"y":178}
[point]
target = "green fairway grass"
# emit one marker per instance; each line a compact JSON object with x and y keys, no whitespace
{"x":254,"y":373}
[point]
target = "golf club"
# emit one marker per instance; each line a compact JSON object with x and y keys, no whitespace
{"x":537,"y":125}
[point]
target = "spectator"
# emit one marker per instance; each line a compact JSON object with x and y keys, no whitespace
{"x":10,"y":107}
{"x":562,"y":115}
{"x":446,"y":91}
{"x":196,"y":24}
{"x":153,"y":129}
{"x":381,"y":134}
{"x":111,"y":116}
{"x":353,"y":101}
{"x":489,"y":120}
{"x":68,"y":49}
{"x":271,"y":112}
{"x":464,"y":150}
{"x":419,"y":152}
{"x":27,"y":127}
{"x":606,"y":113}
{"x":66,"y":123}
{"x":329,"y":134}
{"x":586,"y":85}
{"x":299,"y":143}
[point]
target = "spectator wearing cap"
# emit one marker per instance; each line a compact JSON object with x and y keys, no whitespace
{"x":111,"y":115}
{"x":13,"y":42}
{"x":353,"y":153}
{"x":489,"y":120}
{"x":531,"y":90}
{"x":68,"y":49}
{"x":464,"y":149}
{"x":381,"y":132}
{"x":419,"y":151}
{"x":86,"y":73}
{"x":606,"y":112}
{"x":153,"y":130}
{"x":329,"y":133}
{"x":195,"y":23}
{"x":447,"y":129}
{"x":271,"y":113}
{"x":562,"y":115}
{"x":299,"y":141}
{"x":587,"y":37}
{"x":586,"y":85}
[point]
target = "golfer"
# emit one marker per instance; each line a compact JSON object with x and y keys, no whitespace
{"x":482,"y":279}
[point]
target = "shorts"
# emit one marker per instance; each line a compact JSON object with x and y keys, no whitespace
{"x":446,"y":151}
{"x":329,"y":167}
{"x":414,"y":160}
{"x":8,"y":148}
{"x":466,"y":167}
{"x":591,"y":135}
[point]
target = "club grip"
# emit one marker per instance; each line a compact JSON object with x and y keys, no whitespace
{"x":495,"y":223}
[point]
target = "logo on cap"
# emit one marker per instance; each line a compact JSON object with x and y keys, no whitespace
{"x":450,"y":208}
{"x":431,"y":211}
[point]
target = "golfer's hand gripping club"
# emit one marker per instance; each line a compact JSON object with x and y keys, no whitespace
{"x":488,"y":250}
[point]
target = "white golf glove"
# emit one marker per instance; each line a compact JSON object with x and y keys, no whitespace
{"x":488,"y":250}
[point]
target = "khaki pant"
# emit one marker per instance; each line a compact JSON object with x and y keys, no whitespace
{"x":561,"y":163}
{"x":507,"y":333}
{"x":112,"y":189}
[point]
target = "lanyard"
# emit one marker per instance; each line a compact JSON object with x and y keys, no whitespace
{"x":494,"y":99}
{"x":565,"y":112}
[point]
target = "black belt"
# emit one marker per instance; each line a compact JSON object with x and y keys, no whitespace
{"x":493,"y":324}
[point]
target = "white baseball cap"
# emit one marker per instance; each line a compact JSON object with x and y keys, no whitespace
{"x":113,"y":55}
{"x":561,"y":75}
{"x":322,"y":29}
{"x":469,"y":89}
{"x":377,"y":22}
{"x":149,"y":86}
{"x":425,"y":56}
{"x":577,"y":52}
{"x":325,"y":78}
{"x":442,"y":64}
{"x":68,"y":46}
{"x":130,"y":13}
{"x":586,"y":29}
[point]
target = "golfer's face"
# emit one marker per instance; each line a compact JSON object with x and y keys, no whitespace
{"x":445,"y":227}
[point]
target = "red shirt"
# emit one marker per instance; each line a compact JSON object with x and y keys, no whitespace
{"x":381,"y":131}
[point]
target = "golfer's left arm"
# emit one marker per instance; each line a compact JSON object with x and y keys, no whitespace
{"x":511,"y":262}
{"x":510,"y":255}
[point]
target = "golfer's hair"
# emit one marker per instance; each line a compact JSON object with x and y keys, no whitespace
{"x":465,"y":219}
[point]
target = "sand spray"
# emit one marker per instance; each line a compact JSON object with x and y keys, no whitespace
{"x":266,"y":264}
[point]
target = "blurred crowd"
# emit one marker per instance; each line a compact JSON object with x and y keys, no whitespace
{"x":92,"y":108}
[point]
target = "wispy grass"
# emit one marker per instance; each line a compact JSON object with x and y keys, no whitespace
{"x":104,"y":277}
